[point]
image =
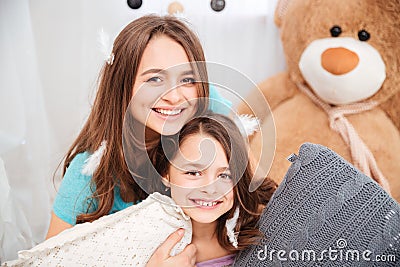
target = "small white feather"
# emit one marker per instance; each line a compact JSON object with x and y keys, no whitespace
{"x":247,"y":124}
{"x":180,"y":15}
{"x":93,"y":161}
{"x":230,"y":228}
{"x":105,"y":45}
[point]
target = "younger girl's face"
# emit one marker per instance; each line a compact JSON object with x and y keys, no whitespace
{"x":164,"y":93}
{"x":200,"y":179}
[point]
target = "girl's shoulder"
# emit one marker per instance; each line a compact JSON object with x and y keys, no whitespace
{"x":78,"y":164}
{"x":74,"y":194}
{"x":218,"y":103}
{"x":75,"y":175}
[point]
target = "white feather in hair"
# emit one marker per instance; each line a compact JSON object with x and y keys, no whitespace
{"x":247,"y":124}
{"x":230,"y":228}
{"x":93,"y":161}
{"x":106,"y":46}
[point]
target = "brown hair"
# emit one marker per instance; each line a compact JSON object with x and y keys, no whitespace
{"x":114,"y":93}
{"x":225,"y":131}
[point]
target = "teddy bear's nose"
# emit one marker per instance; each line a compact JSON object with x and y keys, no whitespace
{"x":339,"y":60}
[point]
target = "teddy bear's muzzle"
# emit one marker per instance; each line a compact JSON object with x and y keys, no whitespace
{"x":342,"y":70}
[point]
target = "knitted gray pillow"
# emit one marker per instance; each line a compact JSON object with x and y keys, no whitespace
{"x":326,"y":213}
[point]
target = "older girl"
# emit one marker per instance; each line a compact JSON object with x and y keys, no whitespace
{"x":97,"y":184}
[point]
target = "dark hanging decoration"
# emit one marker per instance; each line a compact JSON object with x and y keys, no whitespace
{"x":217,"y":5}
{"x":135,"y":4}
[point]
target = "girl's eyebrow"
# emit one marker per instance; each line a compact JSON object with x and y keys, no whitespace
{"x":223,"y":169}
{"x":192,"y":165}
{"x":201,"y":167}
{"x":153,"y":71}
{"x":163,"y":71}
{"x":188,"y":72}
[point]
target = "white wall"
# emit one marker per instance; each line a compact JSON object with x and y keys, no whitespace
{"x":48,"y":70}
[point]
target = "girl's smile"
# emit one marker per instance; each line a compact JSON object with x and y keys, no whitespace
{"x":170,"y":113}
{"x":206,"y":204}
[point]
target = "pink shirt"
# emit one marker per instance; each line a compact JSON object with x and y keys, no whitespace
{"x":225,"y":261}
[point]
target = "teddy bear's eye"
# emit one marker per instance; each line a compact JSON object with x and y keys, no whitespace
{"x":336,"y":31}
{"x":363,"y":35}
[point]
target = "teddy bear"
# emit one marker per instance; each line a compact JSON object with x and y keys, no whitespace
{"x":340,"y":89}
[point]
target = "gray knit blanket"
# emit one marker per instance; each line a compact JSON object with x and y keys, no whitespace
{"x":326,"y":213}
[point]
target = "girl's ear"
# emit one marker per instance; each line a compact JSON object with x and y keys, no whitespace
{"x":165,"y":181}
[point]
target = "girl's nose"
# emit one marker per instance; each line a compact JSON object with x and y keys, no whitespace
{"x":174,"y":96}
{"x":211,"y":186}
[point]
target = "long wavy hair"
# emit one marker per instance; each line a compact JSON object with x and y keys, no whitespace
{"x":114,"y":93}
{"x":224,"y":130}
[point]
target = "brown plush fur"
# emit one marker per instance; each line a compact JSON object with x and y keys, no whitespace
{"x":298,"y":119}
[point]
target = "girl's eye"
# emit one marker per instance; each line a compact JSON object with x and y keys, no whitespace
{"x":193,"y":173}
{"x":188,"y":80}
{"x":225,"y":176}
{"x":154,"y":79}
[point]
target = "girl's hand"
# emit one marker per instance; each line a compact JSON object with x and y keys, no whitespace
{"x":161,"y":256}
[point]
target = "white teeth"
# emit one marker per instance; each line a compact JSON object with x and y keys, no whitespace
{"x":206,"y":204}
{"x":168,"y":111}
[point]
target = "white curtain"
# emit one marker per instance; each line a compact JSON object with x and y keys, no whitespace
{"x":24,"y":134}
{"x":48,"y":72}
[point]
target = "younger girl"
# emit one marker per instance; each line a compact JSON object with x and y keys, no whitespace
{"x":206,"y":171}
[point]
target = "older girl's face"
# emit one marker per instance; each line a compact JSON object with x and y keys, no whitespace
{"x":200,"y":179}
{"x":164,"y":93}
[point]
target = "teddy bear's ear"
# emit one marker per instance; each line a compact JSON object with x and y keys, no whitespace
{"x":280,"y":11}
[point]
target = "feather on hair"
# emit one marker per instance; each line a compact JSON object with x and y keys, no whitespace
{"x":106,"y":46}
{"x":247,"y":124}
{"x":230,"y":228}
{"x":93,"y":162}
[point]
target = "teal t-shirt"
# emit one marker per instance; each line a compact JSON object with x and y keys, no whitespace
{"x":218,"y":104}
{"x":74,"y":195}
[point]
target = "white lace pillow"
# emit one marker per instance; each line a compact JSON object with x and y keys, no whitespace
{"x":128,"y":237}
